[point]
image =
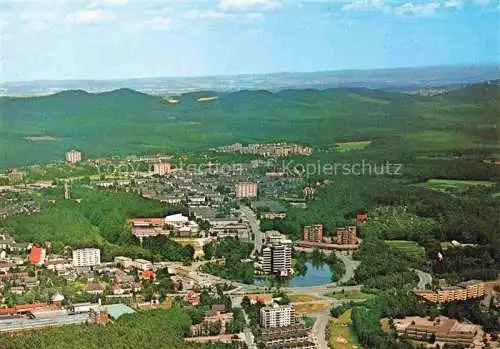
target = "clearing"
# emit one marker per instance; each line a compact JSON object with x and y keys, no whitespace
{"x":301,"y":298}
{"x":206,"y":99}
{"x":408,"y":247}
{"x":354,"y":294}
{"x":443,"y":184}
{"x":341,"y":334}
{"x":347,"y":146}
{"x":40,"y":138}
{"x":307,"y":308}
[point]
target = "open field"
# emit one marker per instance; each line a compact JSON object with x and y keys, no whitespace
{"x":409,"y":247}
{"x":350,"y":295}
{"x":40,"y":138}
{"x":442,"y":184}
{"x":447,"y":244}
{"x":206,"y":99}
{"x":347,"y":146}
{"x":341,"y":334}
{"x":297,"y":298}
{"x":306,"y":308}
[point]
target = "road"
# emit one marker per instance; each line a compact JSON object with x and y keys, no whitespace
{"x":254,"y":226}
{"x":249,"y":338}
{"x":423,"y":279}
{"x":319,"y":328}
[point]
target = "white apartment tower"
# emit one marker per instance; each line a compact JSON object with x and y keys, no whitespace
{"x":246,"y":190}
{"x":86,"y":257}
{"x":277,"y":316}
{"x":276,"y":258}
{"x":73,"y":156}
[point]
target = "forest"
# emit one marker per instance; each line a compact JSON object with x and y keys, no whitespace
{"x":163,"y":329}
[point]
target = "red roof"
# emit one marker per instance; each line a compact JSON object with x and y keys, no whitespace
{"x":22,"y":307}
{"x":148,"y":274}
{"x":36,"y":255}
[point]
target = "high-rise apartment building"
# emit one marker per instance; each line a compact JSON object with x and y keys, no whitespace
{"x":313,"y":233}
{"x":246,"y":190}
{"x":73,"y":156}
{"x":161,"y":168}
{"x":86,"y":257}
{"x":276,"y":259}
{"x":277,"y":316}
{"x":346,"y":236}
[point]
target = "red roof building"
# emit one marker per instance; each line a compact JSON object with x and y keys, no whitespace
{"x":148,"y":275}
{"x":37,"y":255}
{"x":361,"y":216}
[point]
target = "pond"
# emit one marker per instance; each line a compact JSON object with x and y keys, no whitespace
{"x":316,"y":275}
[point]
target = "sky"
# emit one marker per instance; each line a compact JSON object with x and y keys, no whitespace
{"x":112,"y":39}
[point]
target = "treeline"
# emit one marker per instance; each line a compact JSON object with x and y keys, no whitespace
{"x":168,"y":249}
{"x":382,"y":267}
{"x":233,"y":251}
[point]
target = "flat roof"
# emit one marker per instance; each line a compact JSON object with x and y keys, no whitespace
{"x":117,"y":310}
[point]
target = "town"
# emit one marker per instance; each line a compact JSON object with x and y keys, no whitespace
{"x":210,"y":253}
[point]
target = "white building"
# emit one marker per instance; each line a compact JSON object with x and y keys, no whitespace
{"x":176,"y":219}
{"x":246,"y":190}
{"x":86,"y":257}
{"x":277,"y":258}
{"x":73,"y":156}
{"x":143,"y":264}
{"x":277,"y":316}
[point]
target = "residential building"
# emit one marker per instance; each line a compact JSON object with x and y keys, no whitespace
{"x":143,"y":264}
{"x":274,"y":215}
{"x":313,"y":233}
{"x":246,"y":190}
{"x":442,"y":329}
{"x":15,"y":175}
{"x":463,"y":291}
{"x":37,"y":255}
{"x":346,"y":236}
{"x":161,"y":168}
{"x":124,"y":262}
{"x":277,"y":316}
{"x":73,"y":156}
{"x":94,"y":288}
{"x":86,"y":257}
{"x":277,"y":259}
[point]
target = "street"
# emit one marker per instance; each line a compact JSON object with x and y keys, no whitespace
{"x":254,"y":226}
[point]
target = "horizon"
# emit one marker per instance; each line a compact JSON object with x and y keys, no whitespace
{"x":361,"y":70}
{"x":132,"y":39}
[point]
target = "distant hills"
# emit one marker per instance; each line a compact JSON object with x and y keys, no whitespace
{"x":124,"y":121}
{"x":401,"y":79}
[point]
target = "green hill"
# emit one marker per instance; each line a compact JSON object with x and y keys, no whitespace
{"x":125,"y":121}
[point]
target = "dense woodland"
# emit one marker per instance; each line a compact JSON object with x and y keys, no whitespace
{"x":163,"y":329}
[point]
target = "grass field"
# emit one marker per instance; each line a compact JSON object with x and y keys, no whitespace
{"x":350,"y":295}
{"x":40,"y":138}
{"x":348,"y":146}
{"x":306,"y":308}
{"x":341,"y":335}
{"x":442,"y":184}
{"x":297,"y":298}
{"x":409,"y":247}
